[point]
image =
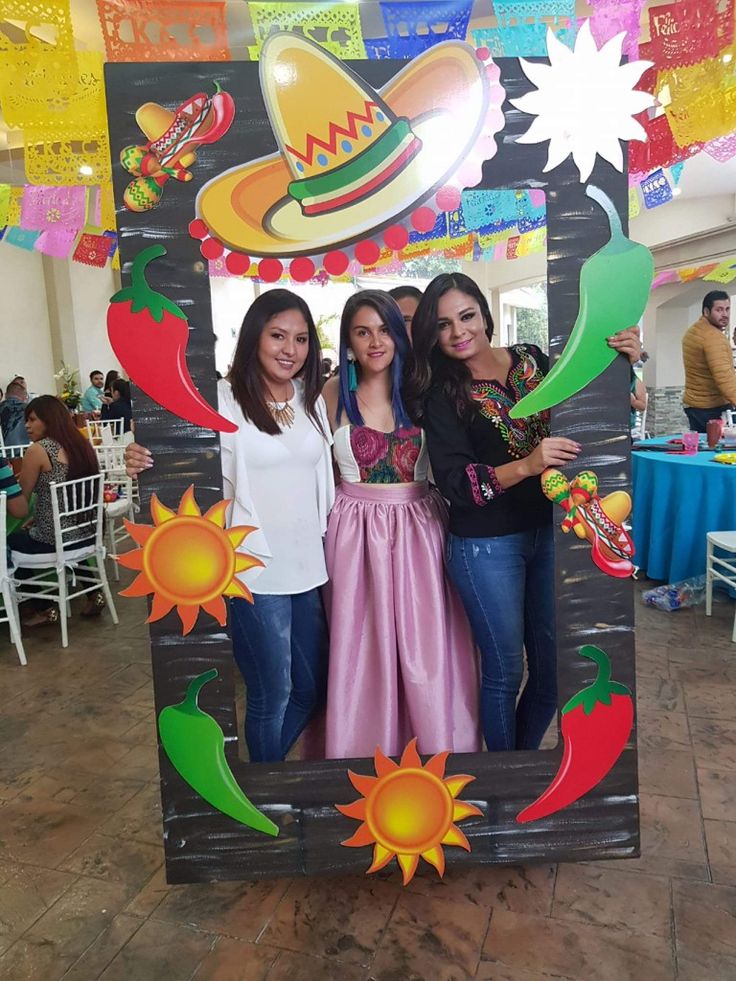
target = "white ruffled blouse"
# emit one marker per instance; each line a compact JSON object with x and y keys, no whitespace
{"x":284,"y":486}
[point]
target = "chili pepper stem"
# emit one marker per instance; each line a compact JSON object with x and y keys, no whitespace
{"x":137,"y":270}
{"x":190,"y":705}
{"x":601,"y":198}
{"x":601,"y":689}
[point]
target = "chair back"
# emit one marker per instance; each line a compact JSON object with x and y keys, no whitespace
{"x":104,"y":431}
{"x":728,"y":418}
{"x":111,"y":458}
{"x":3,"y":536}
{"x":639,"y":429}
{"x":12,"y":450}
{"x":77,"y":508}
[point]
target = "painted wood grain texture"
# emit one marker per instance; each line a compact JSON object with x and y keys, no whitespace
{"x":202,"y":844}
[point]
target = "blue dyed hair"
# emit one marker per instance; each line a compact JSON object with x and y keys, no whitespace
{"x":386,"y":308}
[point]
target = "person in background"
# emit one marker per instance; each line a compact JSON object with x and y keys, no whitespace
{"x":407,"y":299}
{"x":59,"y":452}
{"x":326,"y":369}
{"x":92,"y":400}
{"x":119,"y":406}
{"x":12,"y":413}
{"x":15,"y":500}
{"x":109,"y":379}
{"x":710,"y":379}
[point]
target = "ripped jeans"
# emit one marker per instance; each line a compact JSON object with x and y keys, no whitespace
{"x":280,"y":645}
{"x":507,"y":588}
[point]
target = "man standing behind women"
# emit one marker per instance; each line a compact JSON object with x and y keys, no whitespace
{"x":487,"y":465}
{"x":277,"y":471}
{"x":402,"y":659}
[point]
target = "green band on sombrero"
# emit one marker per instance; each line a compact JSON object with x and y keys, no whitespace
{"x":333,"y":182}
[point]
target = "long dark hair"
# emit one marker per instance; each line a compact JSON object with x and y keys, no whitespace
{"x":109,"y":379}
{"x":431,"y":366}
{"x":59,"y":426}
{"x":245,"y":372}
{"x":386,"y":308}
{"x":122,"y":386}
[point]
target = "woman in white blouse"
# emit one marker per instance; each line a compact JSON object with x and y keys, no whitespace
{"x":277,"y":470}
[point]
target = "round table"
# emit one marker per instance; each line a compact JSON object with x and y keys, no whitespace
{"x":677,"y":500}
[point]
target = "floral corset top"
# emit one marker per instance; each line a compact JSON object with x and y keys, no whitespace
{"x":368,"y":456}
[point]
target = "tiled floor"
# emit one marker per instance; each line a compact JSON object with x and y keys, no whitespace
{"x":82,"y":891}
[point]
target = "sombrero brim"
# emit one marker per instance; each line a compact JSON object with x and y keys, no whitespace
{"x":444,"y":95}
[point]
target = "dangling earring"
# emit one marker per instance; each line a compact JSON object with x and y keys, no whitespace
{"x":352,"y":373}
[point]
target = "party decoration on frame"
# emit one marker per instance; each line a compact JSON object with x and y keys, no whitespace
{"x":598,"y":520}
{"x":596,"y":725}
{"x":585,"y":102}
{"x":188,"y":560}
{"x":149,"y":335}
{"x":408,"y":811}
{"x":195,"y":744}
{"x":353,"y":163}
{"x":605,"y":309}
{"x":173,"y":139}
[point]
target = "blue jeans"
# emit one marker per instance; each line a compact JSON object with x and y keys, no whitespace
{"x":507,"y":588}
{"x":280,"y":645}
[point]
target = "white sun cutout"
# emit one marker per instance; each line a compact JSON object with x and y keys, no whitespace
{"x":584,"y":102}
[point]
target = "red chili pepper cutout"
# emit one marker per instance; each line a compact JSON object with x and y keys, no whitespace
{"x":149,"y":335}
{"x":596,"y":724}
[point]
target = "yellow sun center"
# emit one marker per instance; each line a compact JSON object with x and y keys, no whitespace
{"x":188,"y":560}
{"x":409,"y":811}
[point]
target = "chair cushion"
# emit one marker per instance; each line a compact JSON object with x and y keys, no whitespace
{"x":45,"y":560}
{"x":116,"y":509}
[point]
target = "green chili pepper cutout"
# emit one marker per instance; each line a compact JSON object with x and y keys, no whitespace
{"x":195,"y":744}
{"x":614,"y":289}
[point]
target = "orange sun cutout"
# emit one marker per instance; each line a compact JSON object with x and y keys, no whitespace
{"x":408,"y":810}
{"x":188,"y":560}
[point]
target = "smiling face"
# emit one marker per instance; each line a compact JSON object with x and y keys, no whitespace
{"x":462,"y":329}
{"x":283,"y":347}
{"x":371,"y":341}
{"x":35,"y":428}
{"x":719,"y":314}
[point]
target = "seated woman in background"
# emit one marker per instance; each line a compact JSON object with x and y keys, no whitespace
{"x":58,"y":452}
{"x":120,"y":407}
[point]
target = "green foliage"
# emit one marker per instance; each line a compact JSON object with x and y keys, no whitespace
{"x":532,"y":324}
{"x":69,"y":380}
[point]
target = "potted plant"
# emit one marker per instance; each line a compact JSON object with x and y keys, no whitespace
{"x":68,"y":378}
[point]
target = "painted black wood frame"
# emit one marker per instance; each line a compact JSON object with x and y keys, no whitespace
{"x":202,"y":844}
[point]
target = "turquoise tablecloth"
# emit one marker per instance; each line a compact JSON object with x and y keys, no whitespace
{"x":677,"y":500}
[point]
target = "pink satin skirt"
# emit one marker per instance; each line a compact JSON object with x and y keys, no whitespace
{"x":402,"y":658}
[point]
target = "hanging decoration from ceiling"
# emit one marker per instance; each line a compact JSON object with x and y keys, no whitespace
{"x":184,"y":30}
{"x":684,"y":33}
{"x":522,"y":31}
{"x":334,"y":26}
{"x":56,"y":242}
{"x":48,"y":208}
{"x":584,"y":103}
{"x":613,"y":17}
{"x":359,"y":160}
{"x":656,"y":189}
{"x":414,"y":27}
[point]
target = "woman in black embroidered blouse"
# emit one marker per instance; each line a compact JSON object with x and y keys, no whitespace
{"x":500,"y":550}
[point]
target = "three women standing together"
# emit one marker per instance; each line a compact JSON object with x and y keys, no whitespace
{"x":399,"y":658}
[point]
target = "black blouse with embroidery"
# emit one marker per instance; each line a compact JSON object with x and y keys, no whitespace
{"x":465,"y":452}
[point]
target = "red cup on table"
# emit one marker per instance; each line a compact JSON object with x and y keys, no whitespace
{"x":690,"y":443}
{"x":714,"y":432}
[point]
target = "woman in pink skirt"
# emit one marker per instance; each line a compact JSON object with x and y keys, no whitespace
{"x":402,"y":658}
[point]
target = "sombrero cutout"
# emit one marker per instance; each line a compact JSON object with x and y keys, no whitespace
{"x":351,"y":160}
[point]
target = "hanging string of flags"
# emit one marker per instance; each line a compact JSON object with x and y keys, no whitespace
{"x":57,"y":100}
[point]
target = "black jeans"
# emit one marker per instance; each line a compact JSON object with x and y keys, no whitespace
{"x":699,"y":418}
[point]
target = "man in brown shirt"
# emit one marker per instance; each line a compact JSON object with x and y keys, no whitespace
{"x":710,"y":379}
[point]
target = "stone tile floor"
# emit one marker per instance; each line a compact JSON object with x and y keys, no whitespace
{"x":82,"y":889}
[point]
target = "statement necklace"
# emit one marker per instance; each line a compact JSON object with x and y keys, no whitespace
{"x":282,"y":412}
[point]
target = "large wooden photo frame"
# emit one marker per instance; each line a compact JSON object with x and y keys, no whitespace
{"x":592,"y":608}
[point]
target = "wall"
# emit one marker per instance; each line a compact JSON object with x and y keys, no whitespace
{"x":52,"y":310}
{"x":25,"y":347}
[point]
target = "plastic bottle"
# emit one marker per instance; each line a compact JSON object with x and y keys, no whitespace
{"x":676,"y":596}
